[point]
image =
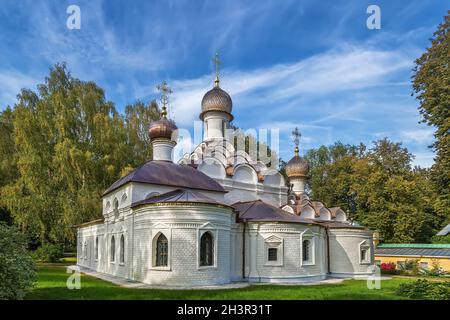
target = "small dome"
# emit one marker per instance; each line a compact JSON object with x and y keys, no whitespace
{"x":216,"y":99}
{"x":163,"y":129}
{"x":297,"y":167}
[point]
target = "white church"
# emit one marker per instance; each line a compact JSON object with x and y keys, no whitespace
{"x":218,"y":216}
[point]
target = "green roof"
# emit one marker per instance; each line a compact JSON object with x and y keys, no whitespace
{"x":415,"y":245}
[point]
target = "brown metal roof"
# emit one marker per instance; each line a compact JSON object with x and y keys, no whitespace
{"x":169,"y":174}
{"x":258,"y":210}
{"x":179,"y":196}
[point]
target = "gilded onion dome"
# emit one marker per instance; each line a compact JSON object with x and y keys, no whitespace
{"x":162,"y":129}
{"x":297,"y":167}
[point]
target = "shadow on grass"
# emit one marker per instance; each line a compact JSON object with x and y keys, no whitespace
{"x":52,"y":285}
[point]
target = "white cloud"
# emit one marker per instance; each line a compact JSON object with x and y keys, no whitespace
{"x":422,"y":136}
{"x":11,"y":82}
{"x":348,"y":68}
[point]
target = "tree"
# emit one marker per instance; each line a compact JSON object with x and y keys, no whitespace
{"x":138,"y":117}
{"x":17,"y":269}
{"x":378,"y":188}
{"x":431,"y":84}
{"x":70,"y":144}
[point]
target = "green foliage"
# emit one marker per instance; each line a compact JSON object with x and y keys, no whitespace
{"x":423,"y":289}
{"x":48,"y":252}
{"x":64,"y":145}
{"x":17,"y":270}
{"x":411,"y":267}
{"x":378,"y":188}
{"x":441,"y":239}
{"x":431,"y":84}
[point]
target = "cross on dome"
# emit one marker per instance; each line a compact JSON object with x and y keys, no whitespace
{"x":165,"y":91}
{"x":217,"y":63}
{"x":296,"y":138}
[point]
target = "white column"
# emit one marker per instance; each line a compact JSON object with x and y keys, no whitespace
{"x":214,"y":124}
{"x":253,"y":256}
{"x":298,"y":185}
{"x":163,"y":149}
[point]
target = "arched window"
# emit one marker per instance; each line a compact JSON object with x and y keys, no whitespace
{"x":113,"y":249}
{"x":306,"y":248}
{"x":96,"y":248}
{"x":116,"y":207}
{"x":207,"y":249}
{"x":162,"y":246}
{"x":122,"y":249}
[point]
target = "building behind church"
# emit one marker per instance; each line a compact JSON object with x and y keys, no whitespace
{"x":218,"y":216}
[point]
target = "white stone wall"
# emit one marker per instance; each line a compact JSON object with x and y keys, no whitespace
{"x":290,"y":268}
{"x":345,"y":252}
{"x":182,"y":225}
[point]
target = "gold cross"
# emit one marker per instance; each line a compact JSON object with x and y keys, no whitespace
{"x":217,"y":64}
{"x":296,"y":138}
{"x":165,"y":92}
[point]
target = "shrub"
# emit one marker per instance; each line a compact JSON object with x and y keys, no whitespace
{"x":411,"y":267}
{"x":48,"y":253}
{"x":388,"y":268}
{"x":424,"y":289}
{"x":17,"y":269}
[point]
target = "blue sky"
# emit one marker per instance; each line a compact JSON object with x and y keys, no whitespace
{"x":312,"y":64}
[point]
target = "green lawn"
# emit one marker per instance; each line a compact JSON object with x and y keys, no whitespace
{"x":52,"y":285}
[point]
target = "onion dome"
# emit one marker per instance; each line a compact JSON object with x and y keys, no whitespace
{"x":216,"y":99}
{"x":297,"y":167}
{"x":163,"y":128}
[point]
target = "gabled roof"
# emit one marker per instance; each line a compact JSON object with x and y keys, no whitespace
{"x":169,"y":174}
{"x":258,"y":210}
{"x":178,"y":196}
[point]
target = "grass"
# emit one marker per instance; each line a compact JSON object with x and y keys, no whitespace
{"x":52,"y":285}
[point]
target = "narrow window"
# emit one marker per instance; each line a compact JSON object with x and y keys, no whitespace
{"x":161,"y":251}
{"x":96,"y":248}
{"x":206,"y":249}
{"x":113,"y":249}
{"x":122,"y":249}
{"x":272,"y":254}
{"x":363,"y":255}
{"x":116,"y":208}
{"x":306,"y":248}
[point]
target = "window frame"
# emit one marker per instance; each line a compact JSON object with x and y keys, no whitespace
{"x":209,"y":251}
{"x":112,"y":249}
{"x":365,"y":245}
{"x":96,"y":249}
{"x":308,"y":235}
{"x":214,"y":233}
{"x":274,"y":242}
{"x":122,"y":249}
{"x":155,"y":236}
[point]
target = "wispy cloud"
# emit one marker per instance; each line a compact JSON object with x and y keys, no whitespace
{"x":11,"y":82}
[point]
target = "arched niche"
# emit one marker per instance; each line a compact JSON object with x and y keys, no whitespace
{"x":340,"y":215}
{"x":307,"y":212}
{"x":273,"y":178}
{"x":325,"y":214}
{"x":245,"y":173}
{"x":213,"y":168}
{"x":288,"y":209}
